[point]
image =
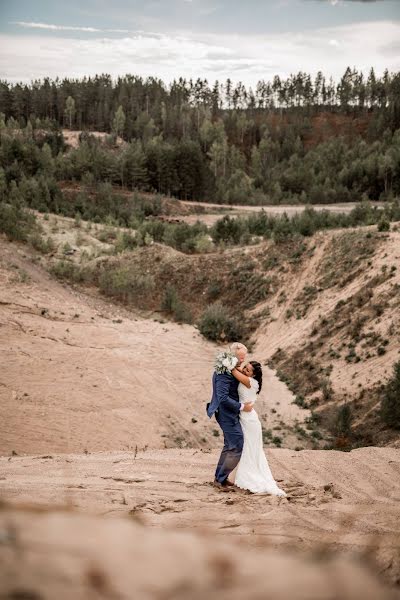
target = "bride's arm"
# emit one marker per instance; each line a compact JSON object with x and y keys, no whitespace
{"x":241,"y":377}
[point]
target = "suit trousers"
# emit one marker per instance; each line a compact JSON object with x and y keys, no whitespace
{"x":233,"y":445}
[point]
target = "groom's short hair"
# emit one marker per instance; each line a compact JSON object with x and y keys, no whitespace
{"x":237,"y":346}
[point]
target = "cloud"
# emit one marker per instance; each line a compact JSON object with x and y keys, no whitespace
{"x":51,"y":27}
{"x":335,"y":2}
{"x":242,"y":57}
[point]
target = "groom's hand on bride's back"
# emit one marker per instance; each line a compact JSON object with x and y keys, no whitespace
{"x":248,"y":407}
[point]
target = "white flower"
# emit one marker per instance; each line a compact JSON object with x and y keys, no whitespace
{"x":225,"y":362}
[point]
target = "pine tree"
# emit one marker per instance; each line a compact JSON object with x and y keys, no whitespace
{"x":70,"y":110}
{"x":118,"y":123}
{"x":3,"y":184}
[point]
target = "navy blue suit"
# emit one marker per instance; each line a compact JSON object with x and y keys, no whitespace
{"x":226,"y":407}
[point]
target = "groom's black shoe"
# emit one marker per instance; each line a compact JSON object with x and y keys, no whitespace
{"x":228,"y":483}
{"x":226,"y":486}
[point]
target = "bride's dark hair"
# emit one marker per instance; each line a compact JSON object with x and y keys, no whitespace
{"x":257,"y":373}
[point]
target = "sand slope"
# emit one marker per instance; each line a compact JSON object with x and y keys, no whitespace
{"x":79,"y":373}
{"x":76,"y":375}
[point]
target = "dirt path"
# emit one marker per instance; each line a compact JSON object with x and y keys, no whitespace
{"x":344,"y":207}
{"x":289,"y":209}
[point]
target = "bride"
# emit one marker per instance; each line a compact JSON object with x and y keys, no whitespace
{"x":253,"y":472}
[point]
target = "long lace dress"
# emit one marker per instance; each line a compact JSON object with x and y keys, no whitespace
{"x":253,"y":472}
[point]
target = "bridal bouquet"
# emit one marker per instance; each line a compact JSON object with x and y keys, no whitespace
{"x":225,"y":362}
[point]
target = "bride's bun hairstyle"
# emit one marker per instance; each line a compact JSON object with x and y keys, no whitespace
{"x":257,"y":373}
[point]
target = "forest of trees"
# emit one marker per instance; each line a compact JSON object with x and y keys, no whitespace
{"x":223,"y":143}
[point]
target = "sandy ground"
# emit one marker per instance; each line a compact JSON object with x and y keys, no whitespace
{"x":86,"y":387}
{"x":345,"y":504}
{"x":81,"y":374}
{"x":64,"y":555}
{"x":71,"y":137}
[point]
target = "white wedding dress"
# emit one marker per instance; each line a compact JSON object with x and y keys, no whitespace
{"x":253,"y":472}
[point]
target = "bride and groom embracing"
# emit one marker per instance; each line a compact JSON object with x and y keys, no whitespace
{"x":235,"y":388}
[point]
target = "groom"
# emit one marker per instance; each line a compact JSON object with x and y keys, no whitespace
{"x":226,"y":407}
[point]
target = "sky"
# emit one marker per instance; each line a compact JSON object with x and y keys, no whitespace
{"x":212,"y":39}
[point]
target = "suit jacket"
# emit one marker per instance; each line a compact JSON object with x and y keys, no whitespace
{"x":225,"y":397}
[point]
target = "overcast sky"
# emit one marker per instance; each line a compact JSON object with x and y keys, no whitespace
{"x":244,"y":40}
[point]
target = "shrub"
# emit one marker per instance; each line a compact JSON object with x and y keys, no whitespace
{"x":203,"y":244}
{"x":182,"y":313}
{"x":217,"y":325}
{"x":267,"y":435}
{"x":23,"y":276}
{"x":125,"y":241}
{"x":384,"y":224}
{"x":39,"y":243}
{"x":343,"y":421}
{"x":170,"y":299}
{"x":16,"y":222}
{"x":327,"y":390}
{"x":277,"y":441}
{"x":107,"y":235}
{"x":175,"y":307}
{"x":300,"y":401}
{"x":227,"y":230}
{"x":213,"y":290}
{"x":125,"y":285}
{"x":67,"y":270}
{"x":390,"y":405}
{"x":67,"y":248}
{"x":300,"y":430}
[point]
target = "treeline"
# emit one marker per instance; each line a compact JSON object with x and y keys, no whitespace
{"x":180,"y":108}
{"x":223,"y":143}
